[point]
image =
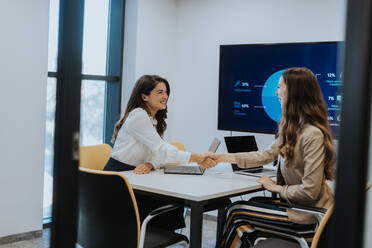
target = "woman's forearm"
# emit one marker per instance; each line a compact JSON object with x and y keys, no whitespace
{"x":225,"y":157}
{"x":195,"y":158}
{"x":277,"y":189}
{"x":221,"y":157}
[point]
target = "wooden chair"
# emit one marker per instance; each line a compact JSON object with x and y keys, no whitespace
{"x":108,"y":215}
{"x":287,"y":238}
{"x":94,"y":157}
{"x":297,"y":241}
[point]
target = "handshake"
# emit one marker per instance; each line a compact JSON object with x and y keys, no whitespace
{"x":206,"y":160}
{"x":210,"y":159}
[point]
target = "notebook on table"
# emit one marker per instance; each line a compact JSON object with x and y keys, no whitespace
{"x":189,"y":169}
{"x":236,"y":144}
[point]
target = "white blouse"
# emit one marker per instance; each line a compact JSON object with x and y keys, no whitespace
{"x":138,"y":142}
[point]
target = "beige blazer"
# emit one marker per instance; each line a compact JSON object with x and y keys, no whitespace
{"x":302,"y":178}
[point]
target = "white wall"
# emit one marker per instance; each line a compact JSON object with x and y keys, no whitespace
{"x":130,"y":48}
{"x":149,"y":42}
{"x":204,"y":25}
{"x":185,"y":35}
{"x":23,"y":70}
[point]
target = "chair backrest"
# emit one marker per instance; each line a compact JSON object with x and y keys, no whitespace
{"x":317,"y":239}
{"x":108,"y":212}
{"x":321,"y":227}
{"x":94,"y":157}
{"x":180,"y":146}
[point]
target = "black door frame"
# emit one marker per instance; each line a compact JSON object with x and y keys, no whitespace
{"x":67,"y":124}
{"x":67,"y":121}
{"x":347,"y":225}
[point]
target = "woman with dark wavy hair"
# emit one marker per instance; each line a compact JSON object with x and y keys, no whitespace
{"x":137,"y":137}
{"x":305,"y":155}
{"x":139,"y":146}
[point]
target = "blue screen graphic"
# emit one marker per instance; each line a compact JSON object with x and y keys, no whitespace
{"x":249,"y":76}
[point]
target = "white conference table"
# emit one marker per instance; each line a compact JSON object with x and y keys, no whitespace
{"x":194,"y":191}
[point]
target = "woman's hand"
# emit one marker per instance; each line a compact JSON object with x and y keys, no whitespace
{"x":269,"y":184}
{"x":212,"y":159}
{"x":143,"y":168}
{"x":207,"y":161}
{"x":203,"y":160}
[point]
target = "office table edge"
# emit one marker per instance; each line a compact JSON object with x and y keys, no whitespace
{"x":231,"y":193}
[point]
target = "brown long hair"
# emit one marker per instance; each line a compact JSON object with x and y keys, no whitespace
{"x":144,"y":85}
{"x":304,"y":104}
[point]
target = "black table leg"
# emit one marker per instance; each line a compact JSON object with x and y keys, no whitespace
{"x":220,"y":224}
{"x":196,"y":225}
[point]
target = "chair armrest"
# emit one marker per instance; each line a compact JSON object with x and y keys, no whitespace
{"x":155,"y":212}
{"x":302,"y":208}
{"x":317,"y":212}
{"x":268,"y":227}
{"x":163,"y":209}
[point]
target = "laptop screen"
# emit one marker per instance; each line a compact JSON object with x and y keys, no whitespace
{"x":240,"y":144}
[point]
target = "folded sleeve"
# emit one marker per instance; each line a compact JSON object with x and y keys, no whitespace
{"x":313,"y":156}
{"x":253,"y":159}
{"x":139,"y":125}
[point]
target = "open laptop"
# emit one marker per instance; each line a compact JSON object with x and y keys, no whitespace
{"x":188,"y":169}
{"x":246,"y":144}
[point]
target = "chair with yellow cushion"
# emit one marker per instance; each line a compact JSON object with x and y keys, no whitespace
{"x":94,"y":157}
{"x":180,"y":147}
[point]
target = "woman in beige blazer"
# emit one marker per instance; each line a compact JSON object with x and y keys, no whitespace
{"x":305,"y":155}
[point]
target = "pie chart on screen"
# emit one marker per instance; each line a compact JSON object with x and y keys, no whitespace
{"x":270,"y":99}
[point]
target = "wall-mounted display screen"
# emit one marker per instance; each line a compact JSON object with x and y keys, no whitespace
{"x":249,"y":76}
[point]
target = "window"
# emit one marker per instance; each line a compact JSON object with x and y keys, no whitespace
{"x":101,"y":79}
